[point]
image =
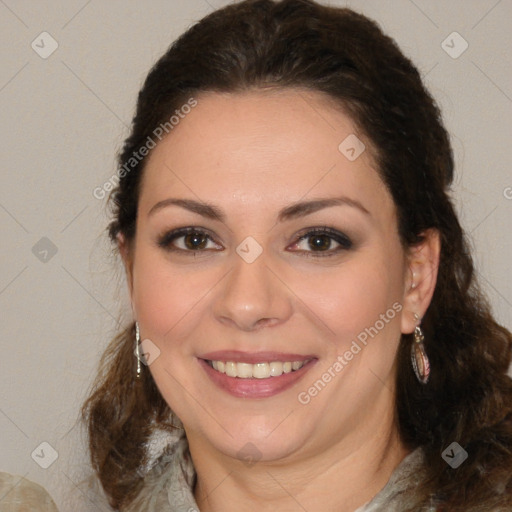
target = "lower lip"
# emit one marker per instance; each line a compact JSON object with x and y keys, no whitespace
{"x":255,"y":388}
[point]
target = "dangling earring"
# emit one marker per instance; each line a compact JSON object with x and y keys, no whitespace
{"x":137,"y":349}
{"x":419,"y":358}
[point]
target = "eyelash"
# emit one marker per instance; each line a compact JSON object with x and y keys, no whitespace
{"x":166,"y":240}
{"x":343,"y":241}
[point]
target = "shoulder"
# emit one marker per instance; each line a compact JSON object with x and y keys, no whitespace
{"x":402,"y":493}
{"x":22,"y":495}
{"x":169,"y":482}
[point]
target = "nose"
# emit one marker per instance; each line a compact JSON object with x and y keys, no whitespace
{"x":252,"y":296}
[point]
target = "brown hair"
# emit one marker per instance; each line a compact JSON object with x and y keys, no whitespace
{"x":298,"y":43}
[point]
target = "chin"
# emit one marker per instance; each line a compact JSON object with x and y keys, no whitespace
{"x":253,"y":440}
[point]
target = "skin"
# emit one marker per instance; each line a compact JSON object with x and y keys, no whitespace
{"x":250,"y":155}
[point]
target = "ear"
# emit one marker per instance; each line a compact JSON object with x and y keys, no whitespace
{"x":420,"y":282}
{"x":125,"y":250}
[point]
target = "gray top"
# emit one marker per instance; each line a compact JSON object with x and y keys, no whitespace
{"x":170,"y":481}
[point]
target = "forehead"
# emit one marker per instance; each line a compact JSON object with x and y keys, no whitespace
{"x":252,"y":146}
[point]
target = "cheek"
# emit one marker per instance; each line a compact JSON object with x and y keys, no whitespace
{"x":354,"y":297}
{"x":160,"y":296}
{"x":152,"y":299}
{"x":169,"y":300}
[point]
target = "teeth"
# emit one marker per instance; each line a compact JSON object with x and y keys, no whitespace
{"x":276,"y":368}
{"x":256,"y":371}
{"x":261,"y":370}
{"x":243,"y":370}
{"x":231,"y":369}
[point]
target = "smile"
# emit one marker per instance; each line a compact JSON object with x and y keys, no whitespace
{"x":255,"y":376}
{"x":263,"y":370}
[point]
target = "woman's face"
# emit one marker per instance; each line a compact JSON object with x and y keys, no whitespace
{"x":260,"y":239}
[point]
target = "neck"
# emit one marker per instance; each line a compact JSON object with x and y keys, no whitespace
{"x":341,"y":477}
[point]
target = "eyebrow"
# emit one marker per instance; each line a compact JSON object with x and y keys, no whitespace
{"x":300,"y":209}
{"x":303,"y":208}
{"x":203,"y":209}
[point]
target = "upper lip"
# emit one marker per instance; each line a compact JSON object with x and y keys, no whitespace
{"x":237,"y":356}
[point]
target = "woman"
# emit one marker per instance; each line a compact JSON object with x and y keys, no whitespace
{"x":307,"y":329}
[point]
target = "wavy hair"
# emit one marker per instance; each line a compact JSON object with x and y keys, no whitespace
{"x":343,"y":54}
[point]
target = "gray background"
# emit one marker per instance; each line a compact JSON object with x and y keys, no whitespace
{"x":63,"y":120}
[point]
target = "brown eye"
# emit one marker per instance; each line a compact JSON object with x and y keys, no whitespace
{"x":195,"y":241}
{"x":189,"y":240}
{"x":319,"y":242}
